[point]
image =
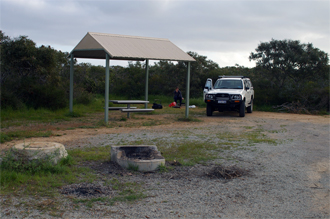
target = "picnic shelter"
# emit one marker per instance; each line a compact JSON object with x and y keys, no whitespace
{"x":130,"y":48}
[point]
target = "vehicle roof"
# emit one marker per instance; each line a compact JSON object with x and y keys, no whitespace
{"x":233,"y":77}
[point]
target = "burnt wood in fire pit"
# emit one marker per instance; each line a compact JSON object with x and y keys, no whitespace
{"x":146,"y":157}
{"x":142,"y":153}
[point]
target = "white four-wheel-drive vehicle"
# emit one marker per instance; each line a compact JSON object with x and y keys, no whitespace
{"x":229,"y":93}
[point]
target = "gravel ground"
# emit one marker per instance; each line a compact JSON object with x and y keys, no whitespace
{"x":288,"y":179}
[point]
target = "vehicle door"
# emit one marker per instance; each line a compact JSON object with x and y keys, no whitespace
{"x":208,"y":86}
{"x":248,"y":91}
{"x":251,"y":89}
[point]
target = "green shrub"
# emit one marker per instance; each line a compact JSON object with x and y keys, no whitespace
{"x":44,"y":166}
{"x":73,"y":114}
{"x":45,"y":96}
{"x":83,"y":97}
{"x":10,"y":100}
{"x":4,"y":138}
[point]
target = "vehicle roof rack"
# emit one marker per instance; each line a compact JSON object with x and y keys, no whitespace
{"x":223,"y":76}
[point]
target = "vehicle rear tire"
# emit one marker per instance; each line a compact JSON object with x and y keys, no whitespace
{"x":250,"y":108}
{"x":209,"y":110}
{"x":242,"y":109}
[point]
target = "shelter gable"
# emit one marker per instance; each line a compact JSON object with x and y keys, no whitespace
{"x":88,"y":43}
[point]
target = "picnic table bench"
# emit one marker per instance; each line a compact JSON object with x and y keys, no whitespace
{"x":120,"y":108}
{"x":130,"y":109}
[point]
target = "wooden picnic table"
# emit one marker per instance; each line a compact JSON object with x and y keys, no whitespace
{"x":129,"y":109}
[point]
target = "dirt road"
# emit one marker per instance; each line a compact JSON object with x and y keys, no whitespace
{"x":69,"y":135}
{"x":289,"y":178}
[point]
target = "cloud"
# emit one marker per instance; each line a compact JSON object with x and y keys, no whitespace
{"x":225,"y":31}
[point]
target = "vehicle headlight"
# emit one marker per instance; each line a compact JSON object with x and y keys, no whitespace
{"x":209,"y":96}
{"x":236,"y":97}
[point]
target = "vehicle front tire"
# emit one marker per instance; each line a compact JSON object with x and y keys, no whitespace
{"x":209,"y":110}
{"x":250,"y":108}
{"x":242,"y":109}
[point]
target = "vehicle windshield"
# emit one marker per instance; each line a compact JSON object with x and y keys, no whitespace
{"x":228,"y":84}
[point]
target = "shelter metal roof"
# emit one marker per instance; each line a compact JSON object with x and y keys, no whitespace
{"x":123,"y":47}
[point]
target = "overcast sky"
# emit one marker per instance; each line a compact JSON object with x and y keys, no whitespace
{"x":224,"y":31}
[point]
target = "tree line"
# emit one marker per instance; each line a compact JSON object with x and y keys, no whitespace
{"x":38,"y":77}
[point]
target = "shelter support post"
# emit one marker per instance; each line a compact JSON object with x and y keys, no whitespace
{"x":187,"y":91}
{"x":106,"y":96}
{"x":71,"y":85}
{"x":147,"y":82}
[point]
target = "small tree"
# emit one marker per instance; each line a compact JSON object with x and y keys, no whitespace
{"x":30,"y":75}
{"x":292,"y":68}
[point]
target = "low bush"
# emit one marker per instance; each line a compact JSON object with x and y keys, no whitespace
{"x":46,"y":166}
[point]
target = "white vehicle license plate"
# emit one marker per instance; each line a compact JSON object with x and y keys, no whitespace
{"x":222,"y":101}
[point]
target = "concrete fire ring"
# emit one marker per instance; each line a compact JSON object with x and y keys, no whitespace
{"x":39,"y":151}
{"x":118,"y":155}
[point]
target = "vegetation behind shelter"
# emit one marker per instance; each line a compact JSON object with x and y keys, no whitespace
{"x":286,"y":72}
